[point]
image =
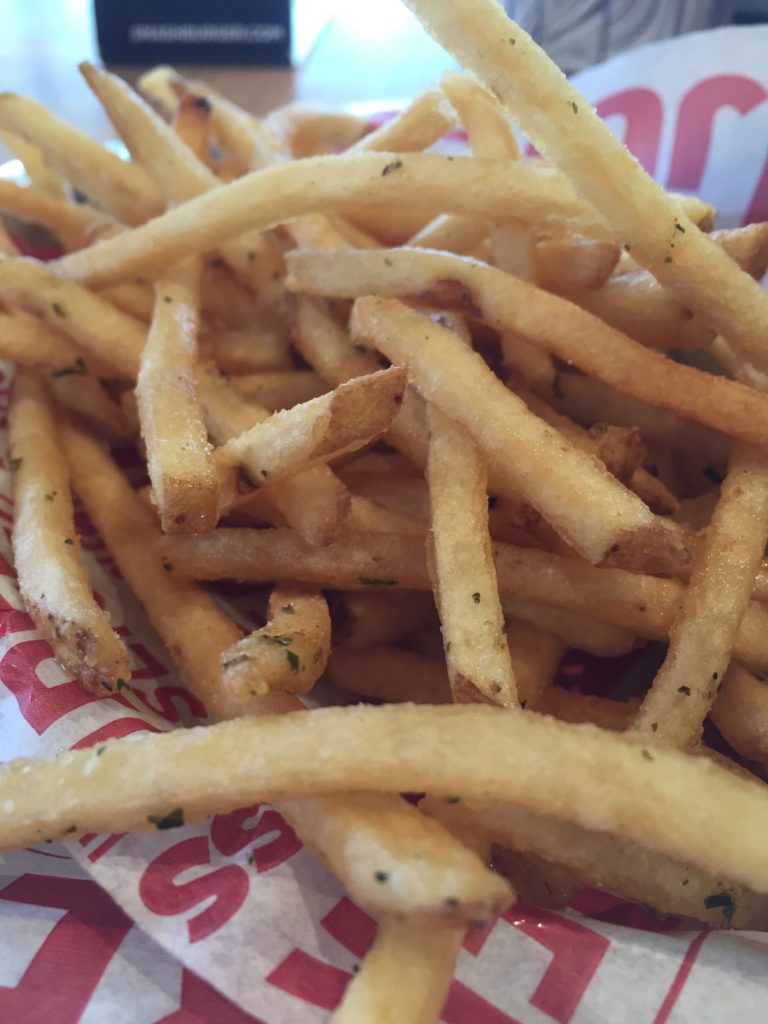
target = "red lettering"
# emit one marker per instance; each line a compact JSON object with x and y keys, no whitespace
{"x":577,"y":952}
{"x":351,"y":927}
{"x":695,"y":122}
{"x":162,"y":894}
{"x":231,"y":833}
{"x":643,"y":115}
{"x":463,"y":1005}
{"x":40,"y":705}
{"x":758,"y":208}
{"x":308,"y":978}
{"x":76,"y":951}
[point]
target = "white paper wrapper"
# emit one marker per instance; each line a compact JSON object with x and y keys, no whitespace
{"x":235,"y":922}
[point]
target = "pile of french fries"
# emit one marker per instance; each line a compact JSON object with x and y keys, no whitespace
{"x":460,"y":415}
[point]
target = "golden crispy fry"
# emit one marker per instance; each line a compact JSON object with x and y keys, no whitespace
{"x":87,"y":400}
{"x":124,"y":190}
{"x":702,"y":637}
{"x":644,"y":605}
{"x":574,"y":629}
{"x":506,"y":303}
{"x":280,"y":389}
{"x":462,"y":570}
{"x":375,"y":617}
{"x":614,"y":864}
{"x":53,"y":580}
{"x":179,"y":456}
{"x":567,"y":132}
{"x":483,"y":188}
{"x":296,"y":439}
{"x":390,"y":831}
{"x":569,"y":706}
{"x":91,"y":321}
{"x":599,"y":780}
{"x":248,"y":350}
{"x":312,"y":131}
{"x":30,"y":342}
{"x":425,"y":120}
{"x":192,"y":123}
{"x":314,"y":502}
{"x":75,"y":225}
{"x":390,"y":674}
{"x":452,"y":233}
{"x":535,"y":656}
{"x":404,"y":977}
{"x":40,"y":175}
{"x":132,"y":297}
{"x":288,"y":653}
{"x":527,"y":456}
{"x":367,"y":515}
{"x":563,"y":263}
{"x":487,"y":124}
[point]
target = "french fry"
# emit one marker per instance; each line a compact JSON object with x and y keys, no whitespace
{"x":312,"y":131}
{"x":280,"y":389}
{"x":564,"y":263}
{"x":569,"y":134}
{"x":579,"y":631}
{"x":426,"y":866}
{"x":192,"y":124}
{"x":425,"y":120}
{"x":264,"y":199}
{"x":133,"y":298}
{"x":740,"y":712}
{"x":226,"y":304}
{"x":545,"y":470}
{"x":367,"y":515}
{"x":390,"y":674}
{"x":289,"y":653}
{"x":87,"y":401}
{"x":53,"y":580}
{"x":644,"y":605}
{"x":296,"y":439}
{"x":40,"y":175}
{"x":505,"y":302}
{"x":238,"y":351}
{"x":462,"y":570}
{"x":85,"y":317}
{"x":702,"y":637}
{"x":29,"y":342}
{"x":451,"y":233}
{"x":75,"y":226}
{"x":569,"y":706}
{"x":599,"y":780}
{"x":613,"y":864}
{"x":368,"y":619}
{"x":404,"y":977}
{"x":487,"y":124}
{"x":124,"y":190}
{"x":179,"y":456}
{"x":535,"y":656}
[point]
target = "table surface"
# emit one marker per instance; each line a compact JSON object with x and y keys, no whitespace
{"x":363,"y":53}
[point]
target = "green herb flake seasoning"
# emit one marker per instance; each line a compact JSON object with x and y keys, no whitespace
{"x":77,"y":369}
{"x":50,"y":495}
{"x":360,"y":348}
{"x":647,"y":754}
{"x":293,"y":660}
{"x":276,"y":638}
{"x":722,"y":901}
{"x":16,"y":465}
{"x":394,"y":166}
{"x":168,"y":566}
{"x":679,"y":227}
{"x":575,"y":107}
{"x":287,"y":609}
{"x":100,"y":751}
{"x":68,"y":540}
{"x":512,"y":41}
{"x":388,"y":261}
{"x":175,"y":819}
{"x":70,"y":830}
{"x":370,"y":581}
{"x":667,"y":259}
{"x":685,"y":690}
{"x":627,"y":247}
{"x":452,"y":799}
{"x":654,"y":726}
{"x":121,"y":685}
{"x":58,"y":309}
{"x":381,"y":876}
{"x":476,"y":597}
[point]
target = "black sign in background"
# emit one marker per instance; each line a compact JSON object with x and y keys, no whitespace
{"x":194,"y":31}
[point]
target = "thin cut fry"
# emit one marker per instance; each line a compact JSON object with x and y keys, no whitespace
{"x":741,"y":712}
{"x":526,"y":455}
{"x":280,"y":389}
{"x":461,"y":564}
{"x":564,"y":263}
{"x":569,"y":134}
{"x":29,"y":342}
{"x":576,"y":337}
{"x":294,"y":440}
{"x":75,"y":226}
{"x":133,"y":298}
{"x":599,"y":780}
{"x":87,"y":400}
{"x":425,"y":120}
{"x":645,"y":605}
{"x":91,"y":321}
{"x":426,"y":866}
{"x":405,"y":976}
{"x":576,"y":630}
{"x":249,"y":350}
{"x":264,"y":199}
{"x":36,"y":169}
{"x":366,"y":619}
{"x":389,"y":674}
{"x":122,"y":189}
{"x":52,"y":577}
{"x":179,"y":456}
{"x":289,"y":653}
{"x":702,"y":637}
